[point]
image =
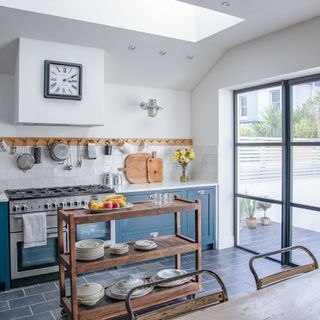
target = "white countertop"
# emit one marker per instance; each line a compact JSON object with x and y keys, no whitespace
{"x":166,"y":185}
{"x":3,"y":197}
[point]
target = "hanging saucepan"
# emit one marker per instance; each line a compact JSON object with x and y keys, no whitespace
{"x":25,"y":161}
{"x":59,"y":151}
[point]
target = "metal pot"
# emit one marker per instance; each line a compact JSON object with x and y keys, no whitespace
{"x":59,"y":151}
{"x":25,"y":161}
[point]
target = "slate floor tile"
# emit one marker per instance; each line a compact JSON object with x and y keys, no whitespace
{"x":13,"y":294}
{"x":52,"y":295}
{"x":4,"y":305}
{"x":45,"y":306}
{"x":15,"y":303}
{"x":40,"y":288}
{"x":15,"y":313}
{"x":40,"y":316}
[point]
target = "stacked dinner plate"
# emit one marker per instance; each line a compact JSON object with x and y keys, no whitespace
{"x":90,"y":249}
{"x":170,"y":273}
{"x":120,"y":289}
{"x":145,"y":245}
{"x":119,"y":248}
{"x":90,"y":293}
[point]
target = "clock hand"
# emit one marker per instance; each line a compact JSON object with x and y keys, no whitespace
{"x":69,"y":77}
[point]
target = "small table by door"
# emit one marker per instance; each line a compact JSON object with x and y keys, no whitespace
{"x":295,"y":299}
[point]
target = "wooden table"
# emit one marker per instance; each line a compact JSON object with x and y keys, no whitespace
{"x":295,"y":299}
{"x":169,"y":245}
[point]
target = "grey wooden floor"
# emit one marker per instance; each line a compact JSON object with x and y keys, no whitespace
{"x":42,"y":301}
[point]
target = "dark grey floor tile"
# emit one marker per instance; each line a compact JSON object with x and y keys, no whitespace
{"x":40,"y":288}
{"x":57,"y":313}
{"x":13,"y":294}
{"x":100,"y":277}
{"x":52,"y":295}
{"x":125,"y":272}
{"x":15,"y":303}
{"x":4,"y":305}
{"x":45,"y":306}
{"x":40,"y":316}
{"x":15,"y":313}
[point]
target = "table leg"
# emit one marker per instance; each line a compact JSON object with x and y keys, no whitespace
{"x":61,"y":251}
{"x":198,"y":240}
{"x":73,"y":273}
{"x":177,"y":223}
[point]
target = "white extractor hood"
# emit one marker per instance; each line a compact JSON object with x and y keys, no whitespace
{"x":31,"y":108}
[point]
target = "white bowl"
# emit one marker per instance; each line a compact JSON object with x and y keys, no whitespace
{"x":89,"y":289}
{"x":170,"y":273}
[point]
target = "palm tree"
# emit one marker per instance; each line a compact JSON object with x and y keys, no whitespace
{"x":270,"y":124}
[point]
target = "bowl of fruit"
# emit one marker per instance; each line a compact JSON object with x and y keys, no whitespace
{"x":114,"y":202}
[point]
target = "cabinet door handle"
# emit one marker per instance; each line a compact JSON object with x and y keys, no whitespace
{"x":201,"y":192}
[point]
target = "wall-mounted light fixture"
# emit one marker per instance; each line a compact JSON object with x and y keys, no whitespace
{"x":151,"y":107}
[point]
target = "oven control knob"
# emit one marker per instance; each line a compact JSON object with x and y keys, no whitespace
{"x":76,"y":203}
{"x":54,"y":205}
{"x":84,"y":203}
{"x":47,"y":206}
{"x":69,"y":204}
{"x":24,"y":207}
{"x":62,"y":204}
{"x":15,"y":208}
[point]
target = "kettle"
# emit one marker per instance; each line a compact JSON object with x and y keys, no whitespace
{"x":117,"y":179}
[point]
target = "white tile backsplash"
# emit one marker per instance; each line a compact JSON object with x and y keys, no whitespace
{"x":50,"y":173}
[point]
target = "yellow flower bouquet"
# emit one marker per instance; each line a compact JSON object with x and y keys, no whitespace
{"x":183,"y":157}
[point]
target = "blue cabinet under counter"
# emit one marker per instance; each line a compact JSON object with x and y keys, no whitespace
{"x":146,"y":227}
{"x":4,"y":247}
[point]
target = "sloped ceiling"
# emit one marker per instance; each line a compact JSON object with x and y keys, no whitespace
{"x":144,"y":66}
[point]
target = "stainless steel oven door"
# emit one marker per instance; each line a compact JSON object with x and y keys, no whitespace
{"x":36,"y":260}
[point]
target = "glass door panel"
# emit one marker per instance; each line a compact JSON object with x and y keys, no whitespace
{"x":306,"y":175}
{"x":260,"y":171}
{"x":305,"y":232}
{"x":262,"y":231}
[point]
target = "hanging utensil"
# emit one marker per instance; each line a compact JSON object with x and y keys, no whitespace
{"x":108,"y":149}
{"x":25,"y":160}
{"x":70,"y":165}
{"x":79,"y":157}
{"x":59,"y":151}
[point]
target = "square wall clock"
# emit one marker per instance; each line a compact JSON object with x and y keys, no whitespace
{"x":62,"y":80}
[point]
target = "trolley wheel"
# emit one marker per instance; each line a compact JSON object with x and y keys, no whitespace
{"x":64,"y":314}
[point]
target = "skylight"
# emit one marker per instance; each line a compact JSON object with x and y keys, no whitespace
{"x":167,"y":18}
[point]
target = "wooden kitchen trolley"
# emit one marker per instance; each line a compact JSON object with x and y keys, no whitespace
{"x":169,"y":245}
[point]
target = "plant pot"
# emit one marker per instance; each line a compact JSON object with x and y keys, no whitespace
{"x":265,"y":221}
{"x":251,"y":223}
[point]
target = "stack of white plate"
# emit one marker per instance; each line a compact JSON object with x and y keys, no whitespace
{"x":90,"y":293}
{"x":170,"y":273}
{"x":120,"y":289}
{"x":90,"y":249}
{"x":119,"y":248}
{"x":145,"y":245}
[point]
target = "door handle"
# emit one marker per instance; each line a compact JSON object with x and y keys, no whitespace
{"x":20,"y":216}
{"x":201,"y":192}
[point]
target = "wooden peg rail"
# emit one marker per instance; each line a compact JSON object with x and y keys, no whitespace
{"x":42,"y":141}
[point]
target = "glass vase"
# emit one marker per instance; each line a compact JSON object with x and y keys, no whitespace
{"x":184,"y":174}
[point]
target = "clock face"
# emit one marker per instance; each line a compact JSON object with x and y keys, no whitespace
{"x":62,"y":80}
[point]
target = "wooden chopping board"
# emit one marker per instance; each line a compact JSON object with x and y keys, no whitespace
{"x":155,"y":168}
{"x":136,"y":167}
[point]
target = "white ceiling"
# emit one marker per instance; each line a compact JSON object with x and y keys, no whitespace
{"x":144,"y":66}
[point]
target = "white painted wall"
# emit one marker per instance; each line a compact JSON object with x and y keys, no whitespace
{"x":287,"y":53}
{"x":123,"y":115}
{"x":34,"y":108}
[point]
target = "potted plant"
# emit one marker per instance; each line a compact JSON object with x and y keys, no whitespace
{"x":184,"y":157}
{"x":262,"y":205}
{"x":248,"y":207}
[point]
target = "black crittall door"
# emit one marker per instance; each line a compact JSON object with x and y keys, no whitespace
{"x":277,"y":166}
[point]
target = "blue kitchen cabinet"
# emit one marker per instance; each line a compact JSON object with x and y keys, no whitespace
{"x":141,"y":228}
{"x":208,"y":215}
{"x":4,"y":246}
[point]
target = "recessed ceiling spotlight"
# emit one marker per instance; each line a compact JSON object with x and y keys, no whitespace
{"x":190,"y":56}
{"x":225,"y":3}
{"x":131,"y":47}
{"x":162,"y":53}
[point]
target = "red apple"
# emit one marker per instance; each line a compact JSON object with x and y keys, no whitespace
{"x":108,"y":205}
{"x":115,"y":204}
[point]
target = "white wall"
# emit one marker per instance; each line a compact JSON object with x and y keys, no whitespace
{"x":122,"y":116}
{"x":34,"y":108}
{"x":287,"y":53}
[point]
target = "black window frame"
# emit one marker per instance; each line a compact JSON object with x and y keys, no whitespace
{"x":286,"y":144}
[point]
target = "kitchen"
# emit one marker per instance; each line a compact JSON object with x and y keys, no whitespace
{"x":144,"y":94}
